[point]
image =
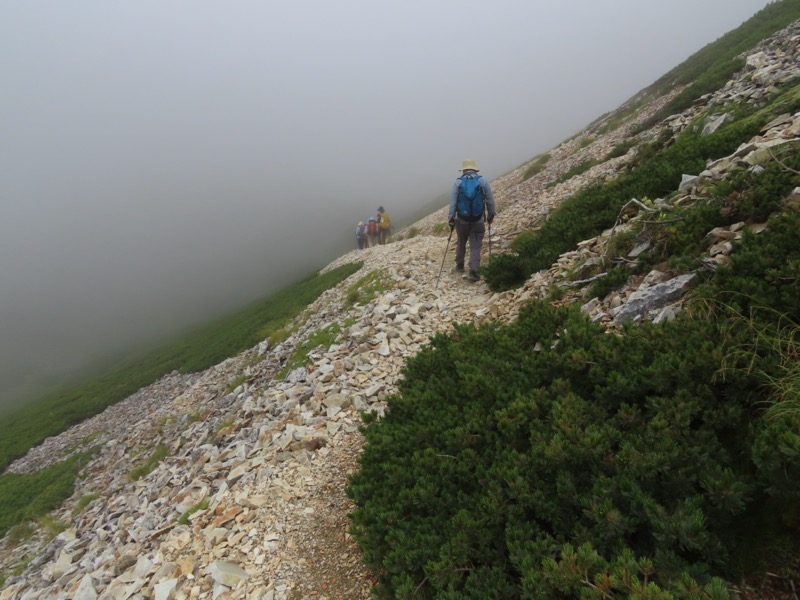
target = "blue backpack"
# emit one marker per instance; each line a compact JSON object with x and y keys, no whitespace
{"x":469,"y":203}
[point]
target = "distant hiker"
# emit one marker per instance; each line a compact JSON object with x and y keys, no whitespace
{"x":372,"y":232}
{"x":384,"y":223}
{"x":361,"y":235}
{"x":471,"y":206}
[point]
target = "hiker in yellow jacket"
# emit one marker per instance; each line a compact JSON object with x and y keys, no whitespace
{"x":384,"y":224}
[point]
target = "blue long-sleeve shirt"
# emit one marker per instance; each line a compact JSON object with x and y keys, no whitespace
{"x":488,"y":197}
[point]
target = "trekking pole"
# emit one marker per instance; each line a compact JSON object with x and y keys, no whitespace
{"x":443,"y":258}
{"x":486,"y":218}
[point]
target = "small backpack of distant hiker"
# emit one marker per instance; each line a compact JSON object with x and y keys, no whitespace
{"x":372,"y":227}
{"x":361,"y":231}
{"x":469,"y":203}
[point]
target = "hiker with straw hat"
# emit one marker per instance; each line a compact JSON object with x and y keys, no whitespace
{"x":471,"y":207}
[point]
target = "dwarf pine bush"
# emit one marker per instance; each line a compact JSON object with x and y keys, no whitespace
{"x":596,"y":207}
{"x":545,"y":458}
{"x":765,"y":269}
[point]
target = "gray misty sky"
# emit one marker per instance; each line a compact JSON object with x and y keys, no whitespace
{"x":162,"y":161}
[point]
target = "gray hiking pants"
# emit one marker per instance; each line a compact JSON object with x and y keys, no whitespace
{"x":472,"y":232}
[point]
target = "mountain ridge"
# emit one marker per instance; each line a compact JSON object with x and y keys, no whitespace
{"x":270,"y":457}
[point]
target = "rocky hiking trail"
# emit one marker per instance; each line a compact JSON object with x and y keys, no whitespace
{"x":248,"y":501}
{"x":271,"y":458}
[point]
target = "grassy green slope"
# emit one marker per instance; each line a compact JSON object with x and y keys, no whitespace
{"x":709,"y":68}
{"x":192,"y":352}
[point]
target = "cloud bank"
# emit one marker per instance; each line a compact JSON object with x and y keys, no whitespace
{"x":162,"y":163}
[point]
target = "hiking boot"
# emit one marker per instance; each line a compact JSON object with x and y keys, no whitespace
{"x":473,"y":275}
{"x":459,"y":268}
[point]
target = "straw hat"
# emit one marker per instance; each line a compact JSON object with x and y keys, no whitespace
{"x":469,"y":165}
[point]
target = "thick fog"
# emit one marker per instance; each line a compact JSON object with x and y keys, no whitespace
{"x":163,"y":162}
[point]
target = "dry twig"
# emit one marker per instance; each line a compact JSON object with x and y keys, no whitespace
{"x":777,"y":160}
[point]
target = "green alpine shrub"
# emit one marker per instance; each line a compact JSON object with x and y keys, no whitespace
{"x":764,"y":272}
{"x":595,"y":208}
{"x":614,"y":279}
{"x":547,"y":457}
